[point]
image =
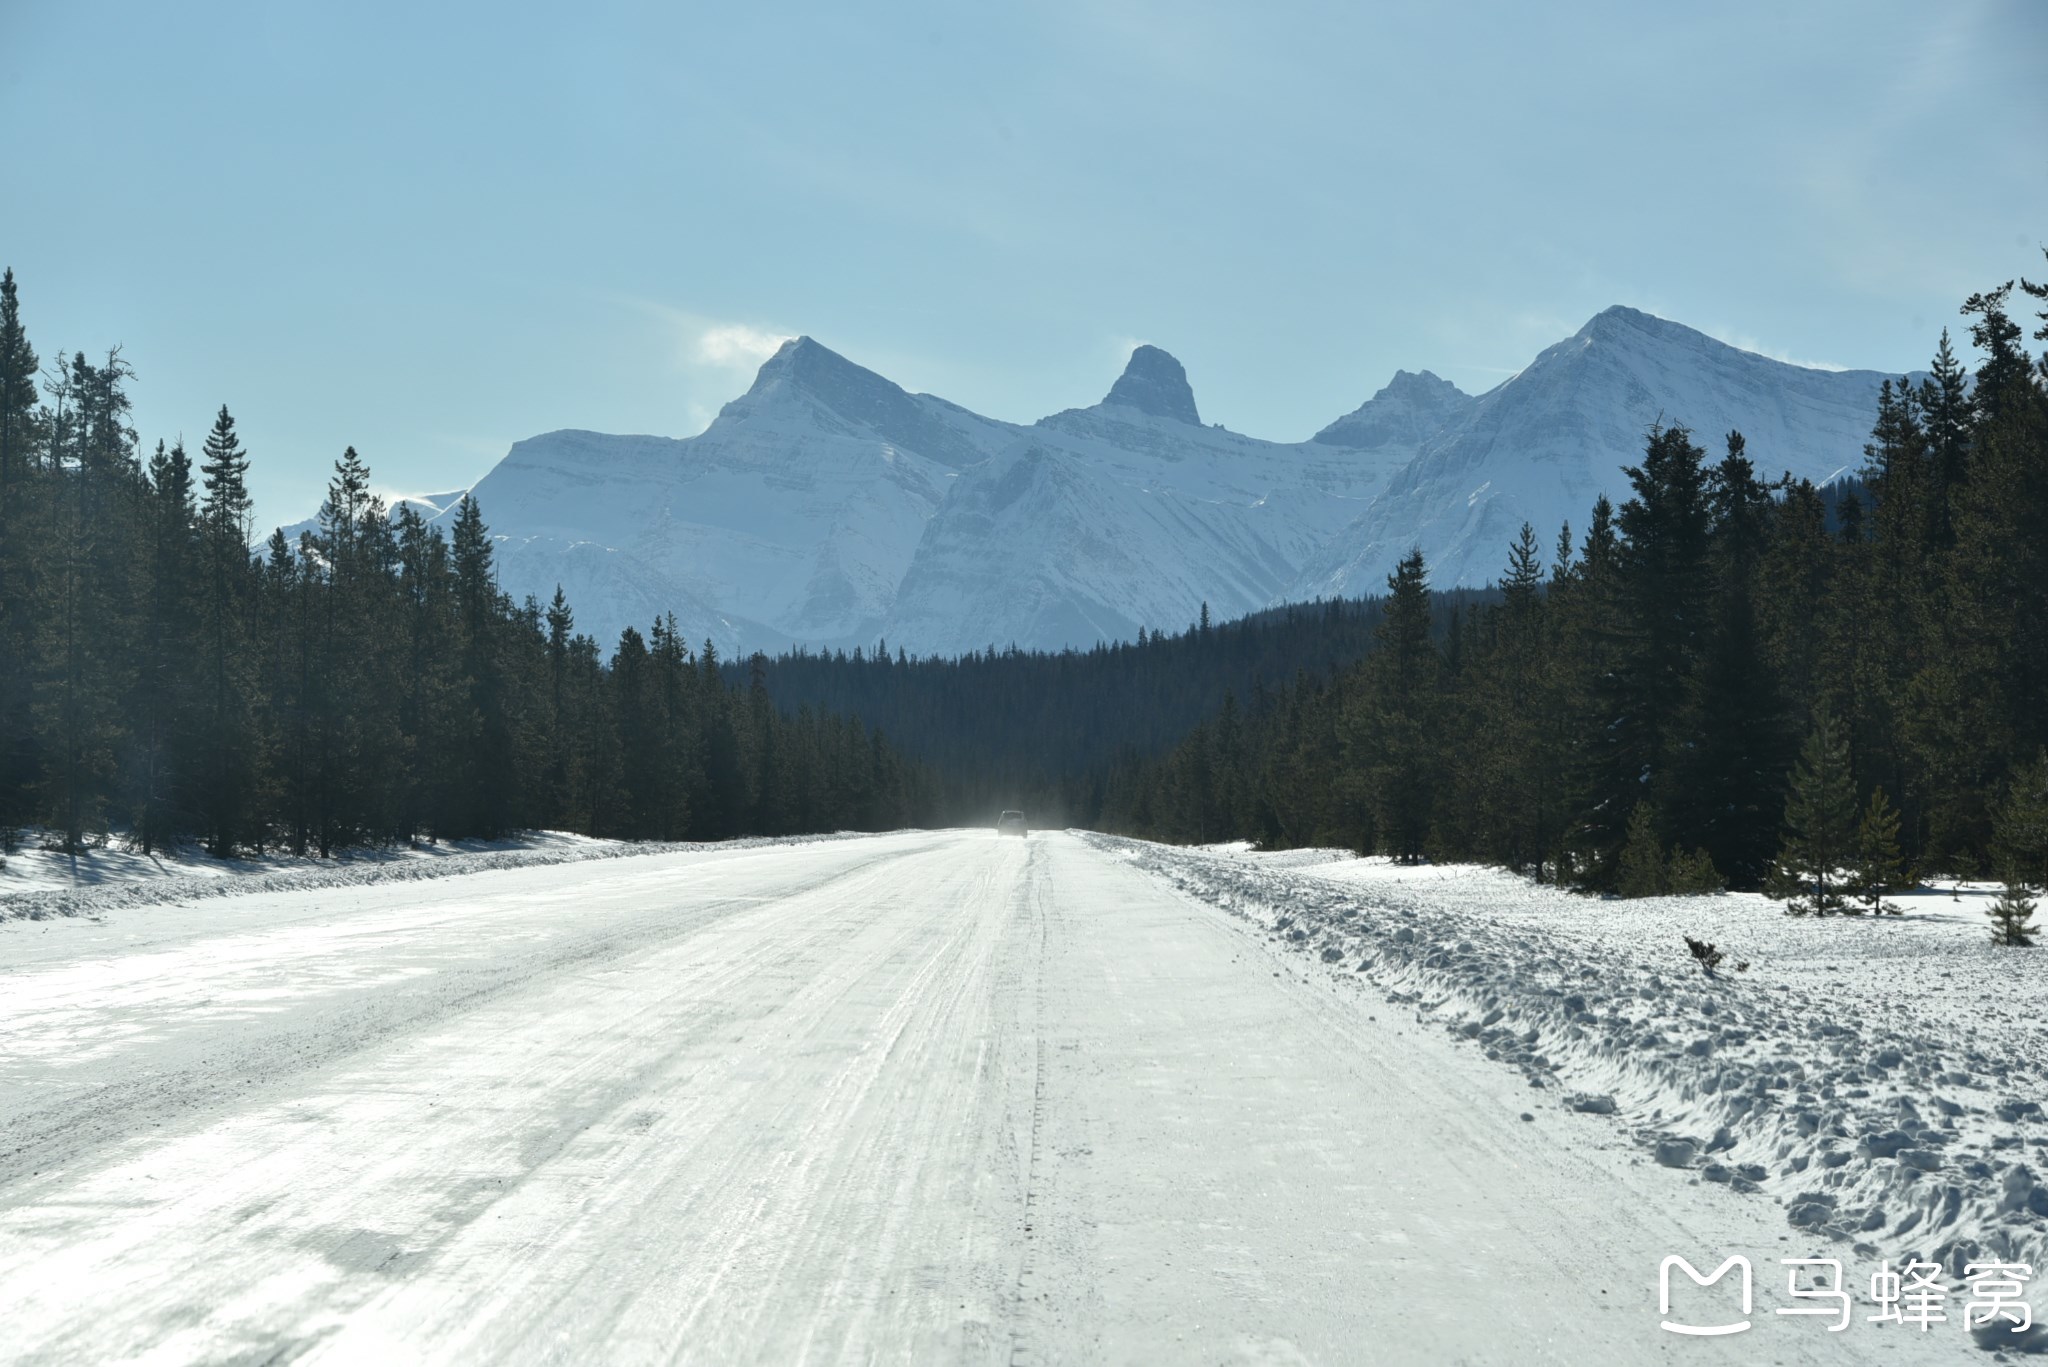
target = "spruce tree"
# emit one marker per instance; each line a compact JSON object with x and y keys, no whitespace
{"x":79,"y":661}
{"x":1820,"y":823}
{"x":19,"y":541}
{"x":227,"y":788}
{"x":1877,"y":868}
{"x":2012,"y":917}
{"x":17,"y":390}
{"x":1642,"y":871}
{"x":1740,"y":748}
{"x":2020,"y":826}
{"x":1945,"y":401}
{"x":1392,"y":723}
{"x":165,"y":763}
{"x":1694,"y":873}
{"x":488,"y":752}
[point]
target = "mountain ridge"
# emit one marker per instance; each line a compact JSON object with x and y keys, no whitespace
{"x":827,"y":505}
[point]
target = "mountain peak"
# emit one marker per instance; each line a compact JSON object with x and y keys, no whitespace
{"x":808,"y":363}
{"x":805,"y":379}
{"x":1419,"y":384}
{"x":1411,"y":407}
{"x":1619,"y":320}
{"x":1153,"y":382}
{"x":803,"y":367}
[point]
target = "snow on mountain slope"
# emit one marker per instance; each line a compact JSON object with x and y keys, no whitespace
{"x":1127,"y":514}
{"x":1412,"y":408}
{"x":1542,"y":446}
{"x":792,"y":517}
{"x":428,"y":506}
{"x":827,"y":506}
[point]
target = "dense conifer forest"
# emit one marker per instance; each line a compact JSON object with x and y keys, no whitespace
{"x":369,"y":683}
{"x":1008,"y":727}
{"x":1715,"y":683}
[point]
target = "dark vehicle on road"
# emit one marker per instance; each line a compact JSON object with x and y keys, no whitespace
{"x":1011,"y":823}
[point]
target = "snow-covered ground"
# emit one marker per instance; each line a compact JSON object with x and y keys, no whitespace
{"x":906,"y":1098}
{"x":1881,"y":1081}
{"x":39,"y":882}
{"x":37,"y":866}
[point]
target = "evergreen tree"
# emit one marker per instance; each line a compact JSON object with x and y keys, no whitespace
{"x":487,"y":753}
{"x":2012,"y":917}
{"x":18,"y":540}
{"x":17,"y":391}
{"x":1391,"y":728}
{"x":227,"y":788}
{"x":2020,"y":828}
{"x":1642,"y":871}
{"x":1734,"y":715}
{"x":1820,"y":823}
{"x":1694,"y":872}
{"x":164,"y":764}
{"x":1945,"y":400}
{"x":80,"y":674}
{"x":1877,"y":868}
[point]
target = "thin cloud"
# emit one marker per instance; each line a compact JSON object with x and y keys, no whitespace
{"x":737,"y":344}
{"x":698,"y":343}
{"x":1742,"y":341}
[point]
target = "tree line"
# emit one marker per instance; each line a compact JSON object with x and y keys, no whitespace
{"x":1039,"y":730}
{"x":1633,"y":711}
{"x":367,"y":683}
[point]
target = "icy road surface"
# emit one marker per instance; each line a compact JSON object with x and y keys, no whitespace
{"x":913,"y":1098}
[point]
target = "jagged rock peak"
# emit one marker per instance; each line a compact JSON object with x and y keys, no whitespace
{"x":1409,"y":408}
{"x":1421,"y":384}
{"x":1153,"y":382}
{"x":819,"y":370}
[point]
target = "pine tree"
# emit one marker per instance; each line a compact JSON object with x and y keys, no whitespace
{"x":1734,"y":714}
{"x":1877,"y":868}
{"x":78,"y":661}
{"x":1391,"y":726}
{"x":488,"y":751}
{"x":2012,"y":917}
{"x":1516,"y":697}
{"x":1666,"y":532}
{"x":227,"y":788}
{"x":19,"y":545}
{"x":561,"y":777}
{"x":1820,"y":823}
{"x":165,"y":763}
{"x":1642,"y":871}
{"x":2019,"y":845}
{"x":17,"y":390}
{"x":1945,"y":400}
{"x":1694,"y":873}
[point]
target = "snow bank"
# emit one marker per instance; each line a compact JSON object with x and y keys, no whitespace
{"x":1883,"y":1081}
{"x":39,"y":884}
{"x":34,"y":868}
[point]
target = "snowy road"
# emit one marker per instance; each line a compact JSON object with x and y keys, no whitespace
{"x":914,"y":1098}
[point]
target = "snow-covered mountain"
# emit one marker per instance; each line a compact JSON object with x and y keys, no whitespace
{"x":1097,"y":521}
{"x":1414,"y":407}
{"x":1543,"y":445}
{"x":428,"y":506}
{"x":792,"y":517}
{"x":828,"y":506}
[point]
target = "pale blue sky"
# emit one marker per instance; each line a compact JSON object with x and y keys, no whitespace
{"x":429,"y":230}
